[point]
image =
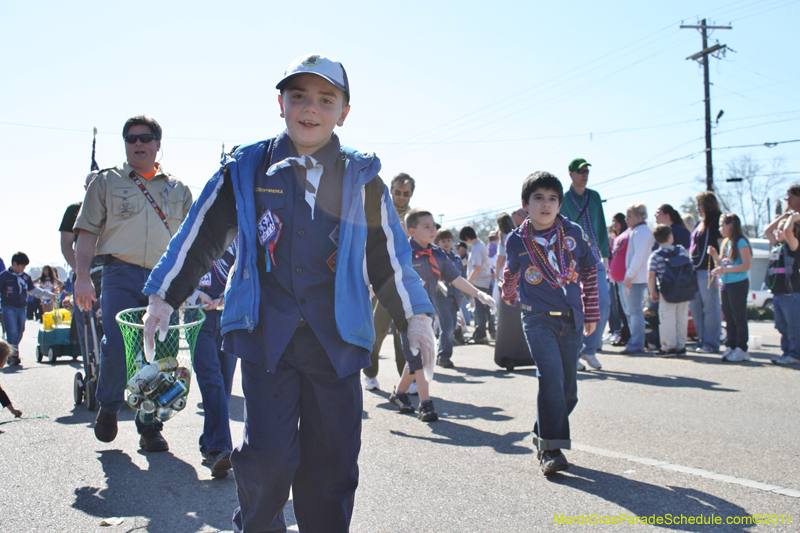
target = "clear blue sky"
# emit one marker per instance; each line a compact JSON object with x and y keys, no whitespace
{"x":467,"y":97}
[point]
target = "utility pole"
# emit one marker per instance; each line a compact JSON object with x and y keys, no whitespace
{"x":704,"y":53}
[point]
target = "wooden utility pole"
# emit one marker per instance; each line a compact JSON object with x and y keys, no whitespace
{"x":704,"y":53}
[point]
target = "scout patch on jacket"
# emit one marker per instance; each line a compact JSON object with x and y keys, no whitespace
{"x":533,"y":275}
{"x":332,"y":261}
{"x":334,"y":236}
{"x":269,"y":231}
{"x":125,"y":209}
{"x":571,"y":244}
{"x":205,"y":281}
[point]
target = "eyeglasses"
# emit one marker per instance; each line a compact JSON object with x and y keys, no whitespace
{"x":405,"y":194}
{"x":582,"y":171}
{"x":144,"y":139}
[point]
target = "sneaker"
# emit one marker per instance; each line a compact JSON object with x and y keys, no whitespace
{"x":444,"y":363}
{"x":703,"y":349}
{"x":219,"y":462}
{"x":786,"y":360}
{"x":371,"y":383}
{"x":552,"y":461}
{"x":412,"y":389}
{"x":401,"y":400}
{"x":608,"y":337}
{"x":667,"y":353}
{"x":151,"y":440}
{"x":736,"y":356}
{"x":580,"y":367}
{"x":426,"y":412}
{"x":591,"y":360}
{"x":727,"y":352}
{"x":680,"y":351}
{"x":105,"y":425}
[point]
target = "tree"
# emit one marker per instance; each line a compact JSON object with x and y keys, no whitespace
{"x":751,"y":192}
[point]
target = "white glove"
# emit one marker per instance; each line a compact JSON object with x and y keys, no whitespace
{"x":486,"y":300}
{"x":156,"y":317}
{"x":421,"y":340}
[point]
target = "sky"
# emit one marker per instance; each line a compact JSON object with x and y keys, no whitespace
{"x":467,"y":97}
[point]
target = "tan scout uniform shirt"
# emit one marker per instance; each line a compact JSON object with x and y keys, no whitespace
{"x":126,"y":223}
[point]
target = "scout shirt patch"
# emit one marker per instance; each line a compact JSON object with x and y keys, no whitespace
{"x":334,"y":236}
{"x":571,"y":244}
{"x":533,"y":275}
{"x":269,"y":231}
{"x":205,"y":281}
{"x":332,"y":261}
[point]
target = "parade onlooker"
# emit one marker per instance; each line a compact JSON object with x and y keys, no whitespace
{"x":673,"y":317}
{"x":584,"y":206}
{"x":505,"y":225}
{"x":666,"y":214}
{"x":706,"y":306}
{"x":5,"y":353}
{"x":640,"y":244}
{"x":552,"y":271}
{"x":297,"y":305}
{"x":616,"y":275}
{"x":128,"y":215}
{"x":48,"y":281}
{"x":784,"y":279}
{"x":731,"y":272}
{"x":479,"y":274}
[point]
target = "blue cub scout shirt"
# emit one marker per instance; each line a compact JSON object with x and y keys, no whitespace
{"x":534,"y":289}
{"x":14,"y":288}
{"x":431,"y":268}
{"x":300,"y":283}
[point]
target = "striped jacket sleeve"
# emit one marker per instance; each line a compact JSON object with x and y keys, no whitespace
{"x":396,"y":284}
{"x":204,"y":236}
{"x":591,"y":299}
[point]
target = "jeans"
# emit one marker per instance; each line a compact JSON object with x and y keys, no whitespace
{"x":302,"y":431}
{"x":787,"y":322}
{"x":448,"y":314}
{"x":122,"y":289}
{"x":632,"y":302}
{"x":734,"y":307}
{"x":673,"y":324}
{"x":554,"y":344}
{"x":594,"y":342}
{"x":14,"y":322}
{"x":706,"y":312}
{"x":614,"y":310}
{"x":382,"y":322}
{"x":214,"y":370}
{"x":482,"y":316}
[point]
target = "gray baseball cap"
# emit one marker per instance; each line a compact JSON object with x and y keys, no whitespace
{"x":324,"y":67}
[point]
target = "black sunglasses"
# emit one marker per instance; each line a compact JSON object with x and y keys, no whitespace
{"x":144,"y":139}
{"x":582,"y":171}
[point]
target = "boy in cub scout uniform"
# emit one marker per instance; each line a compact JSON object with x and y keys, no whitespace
{"x":128,"y":216}
{"x":558,"y":296}
{"x":316,"y":226}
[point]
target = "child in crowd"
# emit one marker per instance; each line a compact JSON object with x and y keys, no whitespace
{"x":316,"y":226}
{"x":5,"y":353}
{"x":432,"y":265}
{"x":673,"y":318}
{"x":15,"y":285}
{"x":732,"y":266}
{"x":559,"y":301}
{"x":447,"y":304}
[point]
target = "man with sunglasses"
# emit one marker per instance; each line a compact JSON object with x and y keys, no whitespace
{"x":127,"y":219}
{"x":585,"y":207}
{"x":402,"y":189}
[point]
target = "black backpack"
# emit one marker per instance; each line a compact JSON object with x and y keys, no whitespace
{"x":679,"y":281}
{"x":779,"y":270}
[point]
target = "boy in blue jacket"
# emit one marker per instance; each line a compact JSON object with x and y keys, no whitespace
{"x":316,"y":226}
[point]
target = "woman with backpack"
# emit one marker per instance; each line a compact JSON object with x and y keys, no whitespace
{"x":783,"y":278}
{"x":732,"y":267}
{"x":705,"y":307}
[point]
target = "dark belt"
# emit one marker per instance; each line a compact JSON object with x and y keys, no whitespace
{"x":551,"y":313}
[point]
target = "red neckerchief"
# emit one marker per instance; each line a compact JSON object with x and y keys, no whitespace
{"x":434,"y":264}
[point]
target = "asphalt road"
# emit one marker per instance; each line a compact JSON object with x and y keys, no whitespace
{"x":652,"y":438}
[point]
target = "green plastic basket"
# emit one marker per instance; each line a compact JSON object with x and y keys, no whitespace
{"x":179,"y":344}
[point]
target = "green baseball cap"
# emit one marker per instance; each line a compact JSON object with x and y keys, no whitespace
{"x":578,"y":164}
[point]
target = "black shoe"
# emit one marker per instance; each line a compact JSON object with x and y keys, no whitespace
{"x":482,"y":340}
{"x":220,"y":463}
{"x":401,"y":400}
{"x":621,"y":342}
{"x":13,"y":360}
{"x":105,"y":425}
{"x":426,"y":412}
{"x":682,"y":351}
{"x":552,"y":461}
{"x":152,"y":441}
{"x":444,"y":363}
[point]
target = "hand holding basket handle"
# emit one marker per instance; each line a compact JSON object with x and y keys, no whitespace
{"x":156,"y":317}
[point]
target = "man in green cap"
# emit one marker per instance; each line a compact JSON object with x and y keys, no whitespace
{"x":585,"y":207}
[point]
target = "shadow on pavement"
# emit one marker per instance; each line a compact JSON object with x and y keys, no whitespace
{"x":167,"y":494}
{"x":454,"y":434}
{"x":644,"y":499}
{"x":656,"y":381}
